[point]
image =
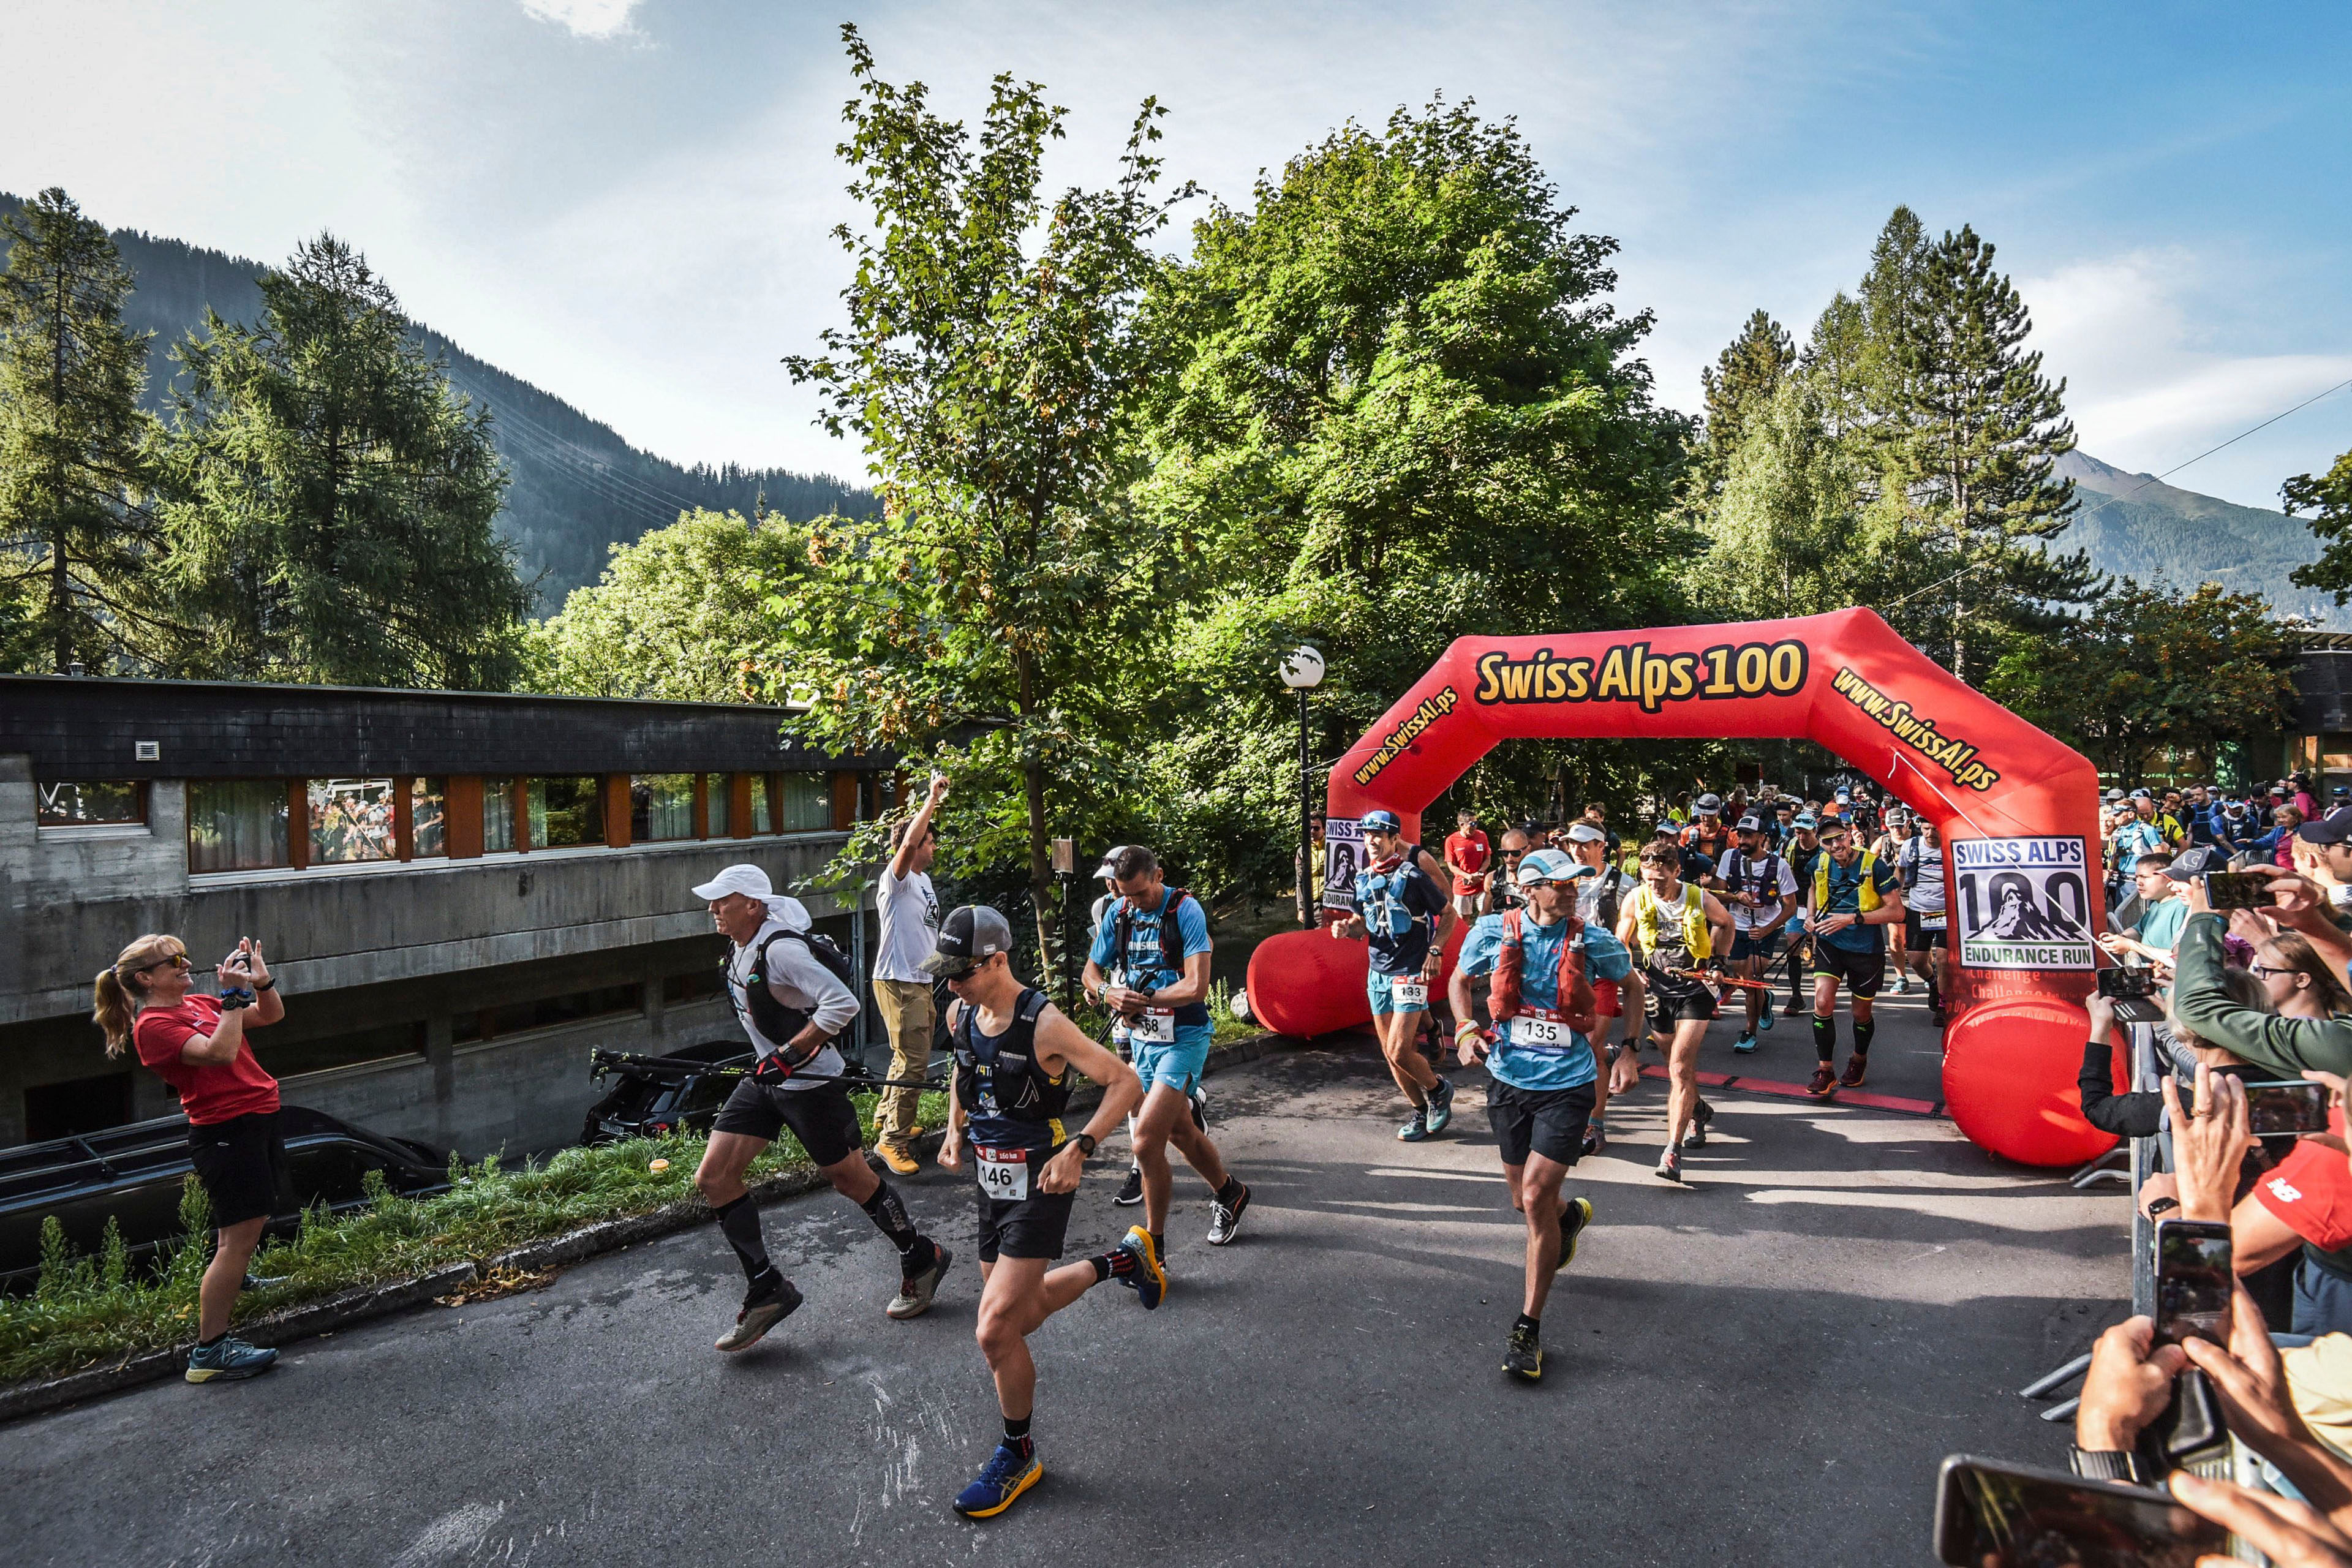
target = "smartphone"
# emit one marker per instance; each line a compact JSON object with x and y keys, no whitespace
{"x":2238,"y":890}
{"x":2294,"y":1105}
{"x":2126,"y":980}
{"x":2194,"y":1283}
{"x":1993,"y":1515}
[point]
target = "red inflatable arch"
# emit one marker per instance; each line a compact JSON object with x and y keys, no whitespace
{"x":2018,"y":813}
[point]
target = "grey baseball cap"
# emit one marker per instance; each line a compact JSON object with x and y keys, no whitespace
{"x":970,"y":933}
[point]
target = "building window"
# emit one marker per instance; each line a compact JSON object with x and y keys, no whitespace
{"x":498,"y":815}
{"x":351,"y":821}
{"x":718,"y":805}
{"x":89,"y":803}
{"x":77,"y":1106}
{"x":661,"y":806}
{"x":489,"y":1022}
{"x":428,"y":817}
{"x":566,"y":811}
{"x":764,"y":816}
{"x":808,"y":803}
{"x":236,"y":825}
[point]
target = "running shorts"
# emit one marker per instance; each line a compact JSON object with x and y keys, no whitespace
{"x":1674,"y":1000}
{"x":820,"y":1116}
{"x":242,"y":1165}
{"x":1178,"y":1063}
{"x":1548,"y":1121}
{"x":1746,"y":945}
{"x":1859,"y":973}
{"x":1606,"y":1000}
{"x":1377,"y":987}
{"x":1465,"y":905}
{"x":1023,"y":1228}
{"x":1913,"y":936}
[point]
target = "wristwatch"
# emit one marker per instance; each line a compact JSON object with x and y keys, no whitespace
{"x":1086,"y":1143}
{"x":2158,"y":1205}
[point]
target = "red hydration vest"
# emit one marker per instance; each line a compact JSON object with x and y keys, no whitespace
{"x":1578,"y":1009}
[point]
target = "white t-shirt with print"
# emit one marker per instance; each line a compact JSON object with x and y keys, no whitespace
{"x":1744,"y":873}
{"x":910,"y":914}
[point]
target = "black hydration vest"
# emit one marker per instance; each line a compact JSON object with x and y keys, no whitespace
{"x":770,"y":1017}
{"x":1008,"y":1101}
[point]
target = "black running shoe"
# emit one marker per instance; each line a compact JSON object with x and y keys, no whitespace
{"x":1596,"y":1139}
{"x":1572,"y":1221}
{"x":1523,"y":1357}
{"x":1130,"y":1192}
{"x":1695,"y":1135}
{"x":1224,"y":1223}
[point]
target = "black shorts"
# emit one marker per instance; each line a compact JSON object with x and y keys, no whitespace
{"x":1745,"y":944}
{"x":820,"y":1116}
{"x":242,"y":1165}
{"x":1859,"y":973}
{"x":1913,"y":936}
{"x":1548,"y":1121}
{"x":1023,"y":1228}
{"x":1672,"y":1000}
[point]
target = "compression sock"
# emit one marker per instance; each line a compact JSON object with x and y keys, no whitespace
{"x":890,"y":1216}
{"x":1824,"y":1036}
{"x":1863,"y":1029}
{"x":1114,"y":1264}
{"x":1017,"y":1438}
{"x":740,"y":1223}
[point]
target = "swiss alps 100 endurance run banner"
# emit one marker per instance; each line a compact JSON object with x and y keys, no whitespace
{"x":2021,"y":903}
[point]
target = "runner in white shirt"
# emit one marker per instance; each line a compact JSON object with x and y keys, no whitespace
{"x":791,"y":1006}
{"x":1921,"y":866}
{"x":1599,"y":899}
{"x":1761,"y":891}
{"x":910,"y":917}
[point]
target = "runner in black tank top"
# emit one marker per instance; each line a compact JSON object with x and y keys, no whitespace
{"x":1014,"y":1053}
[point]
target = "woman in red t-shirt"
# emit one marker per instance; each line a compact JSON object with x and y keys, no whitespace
{"x":196,"y":1044}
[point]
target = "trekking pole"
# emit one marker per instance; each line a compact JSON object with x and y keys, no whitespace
{"x":601,"y":1061}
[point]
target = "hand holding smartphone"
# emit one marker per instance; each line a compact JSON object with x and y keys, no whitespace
{"x":2238,"y":890}
{"x":1993,"y":1515}
{"x":2195,"y":1282}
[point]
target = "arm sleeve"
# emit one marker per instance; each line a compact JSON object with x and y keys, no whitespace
{"x":2286,"y":1046}
{"x":1479,"y":949}
{"x":2124,"y":1115}
{"x":1605,"y":957}
{"x":1193,"y":927}
{"x":792,"y":967}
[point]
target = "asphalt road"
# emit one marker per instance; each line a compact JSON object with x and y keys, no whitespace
{"x":1760,"y":1367}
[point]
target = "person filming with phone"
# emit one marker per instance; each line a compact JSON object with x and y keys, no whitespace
{"x":148,"y":1001}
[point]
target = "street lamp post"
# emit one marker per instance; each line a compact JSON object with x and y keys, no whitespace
{"x":1302,"y":671}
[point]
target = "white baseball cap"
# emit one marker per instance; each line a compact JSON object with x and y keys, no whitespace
{"x":1107,"y":871}
{"x":752,"y":882}
{"x":1585,"y":833}
{"x":1551,"y":866}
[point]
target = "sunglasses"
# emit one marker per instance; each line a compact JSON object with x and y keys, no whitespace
{"x":177,"y":961}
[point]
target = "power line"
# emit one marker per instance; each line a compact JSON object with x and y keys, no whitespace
{"x":2209,"y":451}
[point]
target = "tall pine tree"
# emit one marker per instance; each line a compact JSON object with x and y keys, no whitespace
{"x":1970,"y":451}
{"x":72,"y":449}
{"x":1742,"y":380}
{"x":332,"y":499}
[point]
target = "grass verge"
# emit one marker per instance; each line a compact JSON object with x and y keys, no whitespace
{"x":88,"y":1310}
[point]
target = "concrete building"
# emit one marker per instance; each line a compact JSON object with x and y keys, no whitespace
{"x":459,"y":892}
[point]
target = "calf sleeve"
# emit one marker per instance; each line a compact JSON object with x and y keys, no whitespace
{"x":890,"y":1216}
{"x":739,"y":1222}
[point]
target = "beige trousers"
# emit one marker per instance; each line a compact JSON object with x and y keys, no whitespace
{"x":905,"y":1008}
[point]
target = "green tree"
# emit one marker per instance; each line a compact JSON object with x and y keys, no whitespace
{"x":333,"y":499}
{"x":2152,"y":669}
{"x":73,"y":461}
{"x":989,"y":365}
{"x":1743,"y":379}
{"x":1792,"y":533}
{"x":1405,"y":411}
{"x":1970,"y":454}
{"x":2330,"y":496}
{"x":686,"y":613}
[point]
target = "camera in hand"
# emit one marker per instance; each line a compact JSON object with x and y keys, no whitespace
{"x":1993,"y":1515}
{"x":2194,"y":1282}
{"x":2279,"y":1108}
{"x":2132,"y":989}
{"x":2238,"y":890}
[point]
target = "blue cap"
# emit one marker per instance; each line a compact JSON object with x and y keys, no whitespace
{"x":1805,"y":819}
{"x":1381,"y":822}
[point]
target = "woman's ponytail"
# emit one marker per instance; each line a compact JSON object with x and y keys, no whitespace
{"x":114,"y":1001}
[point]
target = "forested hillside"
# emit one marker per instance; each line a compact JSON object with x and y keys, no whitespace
{"x":2138,"y":529}
{"x":578,"y":488}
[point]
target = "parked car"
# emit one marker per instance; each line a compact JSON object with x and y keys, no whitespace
{"x":682,"y":1089}
{"x":132,"y":1175}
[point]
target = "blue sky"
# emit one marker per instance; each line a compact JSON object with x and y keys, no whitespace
{"x":625,"y":201}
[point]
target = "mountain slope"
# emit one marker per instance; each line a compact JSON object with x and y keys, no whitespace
{"x":2137,"y":526}
{"x":577,"y":487}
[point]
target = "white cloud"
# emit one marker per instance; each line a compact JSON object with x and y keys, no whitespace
{"x":588,"y":19}
{"x":2147,"y":394}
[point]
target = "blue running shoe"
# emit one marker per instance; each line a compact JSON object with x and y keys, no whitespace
{"x":228,"y":1357}
{"x":1150,"y":1280}
{"x":1441,"y":1106}
{"x":1004,"y":1478}
{"x":1745,"y":1043}
{"x":1764,"y":1023}
{"x":1414,"y":1131}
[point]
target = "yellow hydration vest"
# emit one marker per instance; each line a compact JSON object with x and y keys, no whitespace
{"x":1696,"y":934}
{"x":1866,"y":896}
